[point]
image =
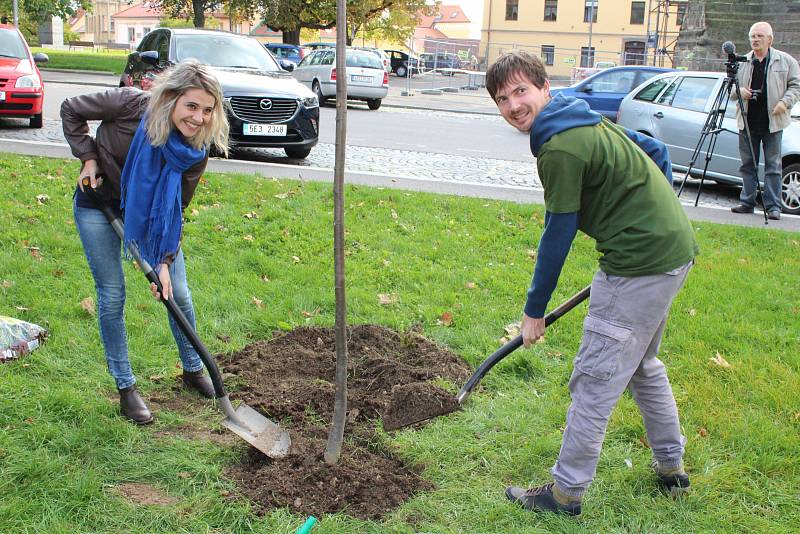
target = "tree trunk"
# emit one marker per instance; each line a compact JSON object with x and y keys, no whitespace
{"x":333,"y":448}
{"x":199,"y":8}
{"x":291,"y":37}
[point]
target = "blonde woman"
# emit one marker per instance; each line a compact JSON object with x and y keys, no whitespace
{"x":146,"y":158}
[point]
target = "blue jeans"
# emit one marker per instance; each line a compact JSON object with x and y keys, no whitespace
{"x":103,"y":252}
{"x":772,"y":169}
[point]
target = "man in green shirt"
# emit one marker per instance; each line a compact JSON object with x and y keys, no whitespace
{"x":609,"y":183}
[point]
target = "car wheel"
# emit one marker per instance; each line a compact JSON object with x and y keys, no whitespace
{"x":374,"y":103}
{"x":297,"y":153}
{"x":790,"y":189}
{"x":401,"y":71}
{"x":36,"y":121}
{"x":318,"y":91}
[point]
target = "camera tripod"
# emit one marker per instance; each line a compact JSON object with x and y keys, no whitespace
{"x":713,"y":126}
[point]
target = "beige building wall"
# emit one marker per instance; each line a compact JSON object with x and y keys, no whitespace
{"x":610,"y":35}
{"x":455,"y":30}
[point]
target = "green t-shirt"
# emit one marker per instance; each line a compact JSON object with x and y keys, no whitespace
{"x":625,"y":203}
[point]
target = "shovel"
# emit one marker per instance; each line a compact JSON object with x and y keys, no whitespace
{"x":437,"y":400}
{"x":263,"y":434}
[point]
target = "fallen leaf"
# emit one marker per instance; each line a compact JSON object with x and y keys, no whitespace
{"x":259,"y":303}
{"x":58,"y":273}
{"x":21,"y":308}
{"x":195,"y":213}
{"x":295,"y":259}
{"x":35,"y":252}
{"x":223,"y":338}
{"x":156,"y":378}
{"x":394,"y":214}
{"x":87,"y":305}
{"x":250,"y":215}
{"x":532,"y":253}
{"x":512,"y":329}
{"x":445,"y":319}
{"x":629,"y":463}
{"x":309,"y":313}
{"x":7,"y":283}
{"x":248,"y":237}
{"x":283,"y":195}
{"x":264,"y":278}
{"x":703,"y":432}
{"x":42,"y":199}
{"x":386,"y":263}
{"x":386,"y":299}
{"x":692,"y":312}
{"x":219,"y":228}
{"x":184,"y":475}
{"x":471,"y":285}
{"x":643,"y":441}
{"x":719,"y":360}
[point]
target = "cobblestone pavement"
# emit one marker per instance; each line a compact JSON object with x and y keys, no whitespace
{"x":431,"y":165}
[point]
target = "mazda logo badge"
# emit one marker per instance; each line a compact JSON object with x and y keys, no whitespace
{"x":265,"y":104}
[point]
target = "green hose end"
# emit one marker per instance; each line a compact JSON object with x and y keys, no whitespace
{"x":308,"y":525}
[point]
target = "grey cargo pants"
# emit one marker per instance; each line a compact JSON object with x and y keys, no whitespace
{"x":621,"y":338}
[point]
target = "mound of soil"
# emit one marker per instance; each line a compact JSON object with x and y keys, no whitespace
{"x":290,"y":379}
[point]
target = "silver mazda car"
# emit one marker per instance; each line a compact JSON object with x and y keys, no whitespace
{"x":674,"y":106}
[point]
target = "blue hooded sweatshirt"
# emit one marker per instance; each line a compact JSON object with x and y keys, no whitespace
{"x":560,"y":114}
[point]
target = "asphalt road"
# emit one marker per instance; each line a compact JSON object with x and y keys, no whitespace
{"x":453,"y":143}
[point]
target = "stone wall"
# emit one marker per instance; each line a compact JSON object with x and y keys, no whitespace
{"x":709,"y":23}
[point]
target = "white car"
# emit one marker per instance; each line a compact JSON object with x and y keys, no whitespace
{"x":366,"y":78}
{"x":674,"y":107}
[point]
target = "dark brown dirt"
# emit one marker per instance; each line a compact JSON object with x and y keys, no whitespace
{"x":415,"y":403}
{"x":290,"y":379}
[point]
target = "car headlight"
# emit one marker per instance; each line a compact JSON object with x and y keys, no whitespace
{"x":29,"y":81}
{"x":310,"y":102}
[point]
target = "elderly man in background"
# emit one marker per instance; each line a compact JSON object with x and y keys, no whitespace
{"x":770,"y":86}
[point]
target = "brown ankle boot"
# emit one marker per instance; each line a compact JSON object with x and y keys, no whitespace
{"x":200,"y":382}
{"x":133,"y":407}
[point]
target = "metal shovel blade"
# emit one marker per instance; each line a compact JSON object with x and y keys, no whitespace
{"x":258,"y":431}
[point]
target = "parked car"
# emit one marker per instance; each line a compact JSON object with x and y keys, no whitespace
{"x":604,"y":90}
{"x":288,"y":52}
{"x":441,"y":60}
{"x":317,"y":45}
{"x":382,"y":55}
{"x":402,"y":64}
{"x":21,"y":85}
{"x":674,"y":107}
{"x":367,"y":80}
{"x":266,"y":107}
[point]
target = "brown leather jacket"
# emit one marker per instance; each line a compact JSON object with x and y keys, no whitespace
{"x":120,"y":112}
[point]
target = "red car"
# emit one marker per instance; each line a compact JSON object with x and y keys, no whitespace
{"x":21,"y":86}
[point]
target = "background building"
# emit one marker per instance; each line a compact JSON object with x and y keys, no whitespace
{"x":569,"y":34}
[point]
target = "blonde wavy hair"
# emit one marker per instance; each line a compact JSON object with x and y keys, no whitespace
{"x":168,"y":87}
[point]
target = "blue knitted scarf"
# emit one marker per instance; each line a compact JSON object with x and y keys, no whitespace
{"x":151,"y":193}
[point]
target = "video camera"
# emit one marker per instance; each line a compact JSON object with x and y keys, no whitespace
{"x":732,"y":65}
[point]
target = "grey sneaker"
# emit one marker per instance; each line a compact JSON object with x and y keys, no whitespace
{"x":675,"y":481}
{"x":774,"y":215}
{"x":544,"y":498}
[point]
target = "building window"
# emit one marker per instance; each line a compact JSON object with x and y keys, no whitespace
{"x":131,"y":34}
{"x":681,"y":14}
{"x":587,"y":56}
{"x":590,"y":10}
{"x":548,"y":54}
{"x":512,"y":9}
{"x":637,"y":12}
{"x":112,"y":25}
{"x":550,"y":10}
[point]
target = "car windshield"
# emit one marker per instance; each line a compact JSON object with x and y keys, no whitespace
{"x":225,"y":51}
{"x":363,"y":59}
{"x":11,"y":45}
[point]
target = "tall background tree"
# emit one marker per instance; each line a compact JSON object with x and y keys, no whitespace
{"x":396,"y":18}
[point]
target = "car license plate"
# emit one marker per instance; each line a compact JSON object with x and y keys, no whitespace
{"x":2,"y":96}
{"x":357,"y":78}
{"x":264,"y":129}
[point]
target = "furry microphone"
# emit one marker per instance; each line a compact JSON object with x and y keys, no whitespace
{"x":729,"y":49}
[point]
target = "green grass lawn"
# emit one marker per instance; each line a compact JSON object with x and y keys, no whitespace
{"x":102,"y":60}
{"x":64,"y":450}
